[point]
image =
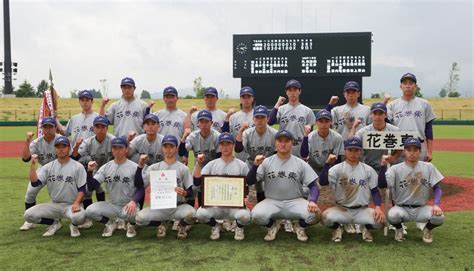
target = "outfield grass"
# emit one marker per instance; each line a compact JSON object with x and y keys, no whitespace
{"x":454,"y":163}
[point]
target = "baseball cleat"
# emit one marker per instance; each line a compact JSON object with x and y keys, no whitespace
{"x":53,"y":228}
{"x":239,"y":234}
{"x":188,"y":227}
{"x":74,"y":230}
{"x":182,"y":234}
{"x":131,"y":232}
{"x":228,"y":225}
{"x":121,"y":225}
{"x":300,"y":232}
{"x":272,"y":232}
{"x":161,"y":231}
{"x":366,"y":235}
{"x":175,"y":225}
{"x":337,"y":235}
{"x":86,"y":225}
{"x":404,"y":227}
{"x":215,"y":232}
{"x":399,"y":235}
{"x":349,"y":228}
{"x":288,"y":226}
{"x":109,"y":229}
{"x":27,"y":226}
{"x":358,"y":228}
{"x":427,"y":236}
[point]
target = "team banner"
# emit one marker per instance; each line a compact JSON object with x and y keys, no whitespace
{"x":47,"y":109}
{"x":223,"y":191}
{"x":376,"y":140}
{"x":163,"y":194}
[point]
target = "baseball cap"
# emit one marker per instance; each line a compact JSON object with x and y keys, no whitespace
{"x":283,"y":133}
{"x":226,"y":137}
{"x":101,"y":120}
{"x":119,"y":142}
{"x":85,"y":93}
{"x":62,"y":140}
{"x":412,"y":141}
{"x":351,"y":85}
{"x":48,"y":121}
{"x":246,"y":91}
{"x":408,"y":75}
{"x":127,"y":81}
{"x":353,"y":143}
{"x":378,"y":106}
{"x":151,"y":117}
{"x":211,"y":91}
{"x":324,"y":114}
{"x":204,"y":114}
{"x":170,"y":91}
{"x":293,"y":83}
{"x":169,"y":139}
{"x":260,"y":110}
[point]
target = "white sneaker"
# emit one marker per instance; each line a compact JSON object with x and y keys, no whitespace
{"x":272,"y":232}
{"x":404,"y":227}
{"x":121,"y":225}
{"x":427,"y":236}
{"x":399,"y":235}
{"x":175,"y":225}
{"x":228,"y":225}
{"x":109,"y":229}
{"x":188,"y":227}
{"x":86,"y":225}
{"x":349,"y":228}
{"x":182,"y":234}
{"x":131,"y":232}
{"x":27,"y":226}
{"x":239,"y":234}
{"x":161,"y":231}
{"x":74,"y":231}
{"x":366,"y":235}
{"x":215,"y":232}
{"x":53,"y":228}
{"x":300,"y":232}
{"x":337,"y":235}
{"x":358,"y":228}
{"x":288,"y":226}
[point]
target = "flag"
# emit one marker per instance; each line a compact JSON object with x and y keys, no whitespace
{"x":49,"y":105}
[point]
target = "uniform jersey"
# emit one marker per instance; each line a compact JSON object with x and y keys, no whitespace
{"x":293,"y":118}
{"x":411,"y":115}
{"x":218,"y":117}
{"x":352,"y":185}
{"x":127,"y":116}
{"x":321,"y":147}
{"x":171,"y":122}
{"x":284,"y":179}
{"x":412,"y":186}
{"x":62,"y":180}
{"x":208,"y":146}
{"x":343,"y":118}
{"x":45,"y":150}
{"x":141,"y":145}
{"x":183,"y":175}
{"x":80,"y":126}
{"x":93,"y":150}
{"x":235,"y":122}
{"x":256,"y":144}
{"x":119,"y":181}
{"x":220,"y":167}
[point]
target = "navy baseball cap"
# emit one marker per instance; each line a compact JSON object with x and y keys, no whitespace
{"x":151,"y":117}
{"x":284,"y":133}
{"x":378,"y":106}
{"x":324,"y":114}
{"x":85,"y":93}
{"x":119,"y":142}
{"x":127,"y":81}
{"x":169,"y":139}
{"x":48,"y":121}
{"x":246,"y":91}
{"x":353,"y":143}
{"x":62,"y":140}
{"x":226,"y":137}
{"x":170,"y":91}
{"x":101,"y":120}
{"x":412,"y":141}
{"x":351,"y":85}
{"x":293,"y":83}
{"x":204,"y":114}
{"x":260,"y":110}
{"x":211,"y":91}
{"x":408,"y":75}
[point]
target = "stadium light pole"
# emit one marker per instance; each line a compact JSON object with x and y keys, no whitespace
{"x":7,"y":63}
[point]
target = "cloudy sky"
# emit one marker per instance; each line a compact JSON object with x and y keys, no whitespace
{"x":161,"y":43}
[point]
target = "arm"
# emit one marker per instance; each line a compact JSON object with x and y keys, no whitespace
{"x":25,"y":154}
{"x":304,"y":150}
{"x":92,"y":184}
{"x":382,"y":179}
{"x":139,"y":185}
{"x":273,"y":115}
{"x":33,"y":176}
{"x":239,"y":147}
{"x":105,"y":100}
{"x":197,"y":176}
{"x":313,"y":197}
{"x":429,"y":140}
{"x":188,"y":120}
{"x":225,"y":126}
{"x":379,"y":215}
{"x":75,"y":149}
{"x":76,"y":206}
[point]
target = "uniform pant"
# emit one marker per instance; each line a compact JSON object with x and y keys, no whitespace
{"x":102,"y":209}
{"x":243,"y":216}
{"x":341,"y":215}
{"x":271,"y":209}
{"x":32,"y":192}
{"x":54,"y":211}
{"x":398,"y":214}
{"x":183,"y":211}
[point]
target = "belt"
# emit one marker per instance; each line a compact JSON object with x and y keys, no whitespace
{"x":409,"y":205}
{"x":354,"y":207}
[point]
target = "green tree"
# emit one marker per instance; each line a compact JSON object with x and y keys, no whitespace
{"x":25,"y":90}
{"x":42,"y":87}
{"x":375,"y":95}
{"x":418,"y":92}
{"x":443,"y":93}
{"x":454,"y":94}
{"x":451,"y":87}
{"x":96,"y":93}
{"x":145,"y":95}
{"x":73,"y":94}
{"x":198,"y":88}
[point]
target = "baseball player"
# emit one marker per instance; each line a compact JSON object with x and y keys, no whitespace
{"x":410,"y":184}
{"x":171,"y":118}
{"x":148,"y":143}
{"x":66,"y":182}
{"x":43,"y":147}
{"x":292,"y":116}
{"x":210,"y":99}
{"x":123,"y":179}
{"x":353,"y":183}
{"x":227,"y":164}
{"x":284,"y":176}
{"x":184,"y":213}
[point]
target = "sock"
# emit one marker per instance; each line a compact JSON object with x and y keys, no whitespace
{"x":29,"y":205}
{"x":212,"y":222}
{"x":86,"y":203}
{"x":398,"y":225}
{"x":335,"y":226}
{"x":260,"y":196}
{"x":430,"y":226}
{"x":99,"y":196}
{"x":104,"y":220}
{"x":154,"y":223}
{"x":239,"y":225}
{"x":369,"y":227}
{"x":303,"y":223}
{"x":270,"y":224}
{"x":47,"y":221}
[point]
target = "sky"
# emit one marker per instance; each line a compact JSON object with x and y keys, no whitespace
{"x":162,"y":43}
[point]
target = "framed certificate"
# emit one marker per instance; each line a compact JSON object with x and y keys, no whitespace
{"x":223,"y":191}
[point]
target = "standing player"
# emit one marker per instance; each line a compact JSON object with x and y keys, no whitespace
{"x":184,"y":213}
{"x":284,"y":176}
{"x":66,"y":182}
{"x":125,"y":185}
{"x":148,"y":143}
{"x":410,"y":184}
{"x":227,"y":164}
{"x":353,"y":183}
{"x":171,"y":118}
{"x":210,"y":99}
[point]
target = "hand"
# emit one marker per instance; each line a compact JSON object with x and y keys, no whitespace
{"x":34,"y":159}
{"x":193,"y":109}
{"x":280,"y":101}
{"x":436,"y":210}
{"x":142,"y":160}
{"x":333,"y":101}
{"x":105,"y":101}
{"x":356,"y":124}
{"x":307,"y":130}
{"x":386,"y":98}
{"x":78,"y":142}
{"x":379,"y":216}
{"x":245,"y":126}
{"x":76,"y":207}
{"x":331,"y":159}
{"x":200,"y":158}
{"x":313,"y":207}
{"x":131,"y":135}
{"x":184,"y":160}
{"x":230,"y":112}
{"x":429,"y":157}
{"x":29,"y":136}
{"x":180,"y":191}
{"x":385,"y":160}
{"x":131,"y":208}
{"x":258,"y":160}
{"x":91,"y":166}
{"x":151,"y":104}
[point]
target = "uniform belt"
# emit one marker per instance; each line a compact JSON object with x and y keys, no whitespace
{"x":354,"y":207}
{"x":409,"y":205}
